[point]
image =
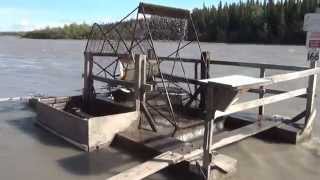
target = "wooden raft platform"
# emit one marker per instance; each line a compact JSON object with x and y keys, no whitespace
{"x":170,"y":151}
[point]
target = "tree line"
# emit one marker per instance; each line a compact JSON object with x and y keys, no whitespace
{"x":251,"y":21}
{"x":254,"y":21}
{"x":71,"y":31}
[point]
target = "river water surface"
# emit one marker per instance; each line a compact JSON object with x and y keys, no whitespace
{"x":54,"y":67}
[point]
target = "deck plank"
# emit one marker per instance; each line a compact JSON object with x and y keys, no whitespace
{"x":168,"y":158}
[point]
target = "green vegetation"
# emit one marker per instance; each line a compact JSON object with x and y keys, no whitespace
{"x":72,"y":31}
{"x":253,"y":21}
{"x":11,"y":33}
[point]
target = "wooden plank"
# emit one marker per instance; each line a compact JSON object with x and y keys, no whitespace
{"x":226,"y":163}
{"x":138,"y":59}
{"x":168,"y":158}
{"x":272,"y":91}
{"x":259,"y":102}
{"x":204,"y":74}
{"x":209,"y":127}
{"x":106,"y":54}
{"x":148,"y":117}
{"x":291,"y":76}
{"x":298,"y":117}
{"x":75,"y":143}
{"x":235,"y":81}
{"x":150,"y":167}
{"x":312,"y":85}
{"x":115,"y":82}
{"x":242,"y":82}
{"x":90,"y":80}
{"x":102,"y":130}
{"x":237,"y":63}
{"x":261,"y":94}
{"x":222,"y":140}
{"x":85,"y":79}
{"x":310,"y":121}
{"x":65,"y":123}
{"x":195,"y":74}
{"x":181,"y":79}
{"x":259,"y":65}
{"x":158,"y":10}
{"x":227,"y":138}
{"x":155,"y":142}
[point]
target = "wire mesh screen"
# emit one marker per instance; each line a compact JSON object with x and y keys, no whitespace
{"x":164,"y":28}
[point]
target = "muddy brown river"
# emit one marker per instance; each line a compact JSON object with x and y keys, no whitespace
{"x":54,"y":67}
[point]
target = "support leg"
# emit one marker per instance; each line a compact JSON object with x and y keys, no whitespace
{"x":261,"y":95}
{"x":208,"y":132}
{"x":311,"y":93}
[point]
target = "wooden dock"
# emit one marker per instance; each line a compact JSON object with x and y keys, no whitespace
{"x":172,"y":151}
{"x":160,"y":115}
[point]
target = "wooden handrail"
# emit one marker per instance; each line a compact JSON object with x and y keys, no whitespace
{"x":237,"y":63}
{"x":260,"y":102}
{"x":271,"y":79}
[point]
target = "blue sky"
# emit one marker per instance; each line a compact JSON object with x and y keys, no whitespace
{"x":24,"y":15}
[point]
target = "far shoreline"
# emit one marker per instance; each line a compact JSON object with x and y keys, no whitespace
{"x":206,"y":42}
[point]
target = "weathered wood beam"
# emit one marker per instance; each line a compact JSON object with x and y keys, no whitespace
{"x":120,"y":82}
{"x":204,"y":74}
{"x":272,"y":91}
{"x":241,"y":64}
{"x":259,"y":65}
{"x":163,"y":11}
{"x":225,"y":82}
{"x":209,"y":126}
{"x":291,"y":76}
{"x":105,"y":54}
{"x":312,"y":85}
{"x":261,"y":94}
{"x":138,"y":76}
{"x":227,"y":138}
{"x":148,"y":116}
{"x":149,"y":167}
{"x":298,"y":117}
{"x":259,"y":102}
{"x":181,"y":79}
{"x":168,"y":158}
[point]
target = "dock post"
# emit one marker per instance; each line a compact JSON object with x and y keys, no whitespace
{"x":208,"y":133}
{"x":261,"y":95}
{"x":195,"y":75}
{"x":140,"y":77}
{"x":205,"y":74}
{"x":87,"y":78}
{"x":311,"y":93}
{"x":140,"y":93}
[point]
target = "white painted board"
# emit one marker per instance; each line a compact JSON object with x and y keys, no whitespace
{"x":312,"y":22}
{"x":235,"y":80}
